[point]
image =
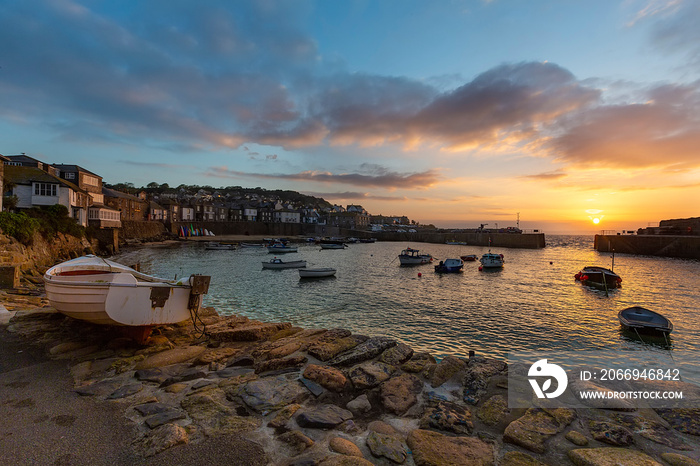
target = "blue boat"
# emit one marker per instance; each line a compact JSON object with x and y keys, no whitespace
{"x":450,"y":266}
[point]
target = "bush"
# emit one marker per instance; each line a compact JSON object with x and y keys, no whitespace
{"x":47,"y":221}
{"x":20,"y":226}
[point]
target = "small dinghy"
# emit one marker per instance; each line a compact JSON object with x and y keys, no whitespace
{"x":320,"y":272}
{"x":639,"y":319}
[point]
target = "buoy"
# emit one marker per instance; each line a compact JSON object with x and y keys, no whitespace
{"x":420,"y":274}
{"x":480,"y":268}
{"x":550,"y":262}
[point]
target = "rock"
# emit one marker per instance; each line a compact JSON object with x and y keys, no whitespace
{"x":674,"y":459}
{"x":359,"y":405}
{"x":168,"y":357}
{"x":323,"y":416}
{"x":67,"y":347}
{"x":151,"y":375}
{"x":610,"y":457}
{"x":397,"y":355}
{"x":315,"y":389}
{"x":216,"y":418}
{"x":270,"y":393}
{"x":370,"y":374}
{"x":344,"y":447}
{"x":447,"y":416}
{"x":517,"y":458}
{"x":238,"y":361}
{"x":233,"y":372}
{"x":284,"y":350}
{"x":447,"y":368}
{"x":653,"y":430}
{"x":328,"y":377}
{"x":536,"y":426}
{"x":342,"y":460}
{"x":126,"y":390}
{"x":334,"y":342}
{"x":296,"y":440}
{"x":418,"y":362}
{"x":101,"y":388}
{"x":364,"y":351}
{"x":148,"y":409}
{"x":382,"y":427}
{"x":282,"y":363}
{"x":577,"y":438}
{"x":247,"y":332}
{"x":161,"y":439}
{"x":609,"y":432}
{"x":399,"y":393}
{"x":494,"y":410}
{"x":434,"y":449}
{"x":387,"y":446}
{"x":164,"y":417}
{"x":215,"y":355}
{"x":284,"y":415}
{"x":686,"y":420}
{"x":192,"y":373}
{"x":477,"y":376}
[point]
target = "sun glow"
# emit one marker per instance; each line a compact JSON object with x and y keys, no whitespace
{"x":596,"y":220}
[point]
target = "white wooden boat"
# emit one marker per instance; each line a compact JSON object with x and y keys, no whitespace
{"x":491,"y":260}
{"x":104,"y":292}
{"x":316,"y":273}
{"x":280,"y":264}
{"x":642,"y":320}
{"x":252,"y":245}
{"x":410,"y":256}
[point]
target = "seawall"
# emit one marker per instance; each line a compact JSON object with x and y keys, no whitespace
{"x":686,"y":247}
{"x":497,"y":240}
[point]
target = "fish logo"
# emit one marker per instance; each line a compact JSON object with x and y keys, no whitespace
{"x":543,"y":369}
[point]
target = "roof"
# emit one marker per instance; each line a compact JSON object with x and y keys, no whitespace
{"x":73,"y":168}
{"x":25,"y":158}
{"x":27,"y":175}
{"x":154,"y":206}
{"x":4,"y":159}
{"x":114,"y":193}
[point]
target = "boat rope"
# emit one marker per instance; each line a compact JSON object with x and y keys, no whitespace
{"x":194,"y":316}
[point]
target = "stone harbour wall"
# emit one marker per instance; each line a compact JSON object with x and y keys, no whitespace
{"x":332,"y":397}
{"x":685,"y":247}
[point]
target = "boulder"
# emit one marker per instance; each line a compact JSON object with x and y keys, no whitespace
{"x":399,"y":393}
{"x":168,"y":357}
{"x":494,"y":410}
{"x":271,"y":393}
{"x":280,"y":363}
{"x":322,"y":417}
{"x":447,"y":368}
{"x":577,"y":438}
{"x":296,"y":440}
{"x":518,"y":458}
{"x":359,"y":405}
{"x":397,"y":355}
{"x":252,"y":331}
{"x":364,"y":351}
{"x":610,"y":432}
{"x":418,"y":362}
{"x":284,"y":415}
{"x":328,"y":377}
{"x":675,"y":459}
{"x":434,"y":449}
{"x":387,"y":446}
{"x":370,"y":374}
{"x":532,"y":430}
{"x":344,"y":447}
{"x":610,"y":457}
{"x":449,"y":417}
{"x":160,"y":439}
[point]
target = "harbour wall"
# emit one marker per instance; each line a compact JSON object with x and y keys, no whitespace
{"x":497,"y":240}
{"x":686,"y":247}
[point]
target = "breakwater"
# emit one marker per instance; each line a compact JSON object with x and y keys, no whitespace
{"x":685,"y":247}
{"x":497,"y":240}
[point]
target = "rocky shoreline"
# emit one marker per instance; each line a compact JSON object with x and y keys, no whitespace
{"x":331,"y":397}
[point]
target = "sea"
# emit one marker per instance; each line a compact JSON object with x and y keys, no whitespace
{"x":532,"y":304}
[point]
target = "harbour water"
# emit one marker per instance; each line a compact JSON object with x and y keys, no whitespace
{"x":532,"y":304}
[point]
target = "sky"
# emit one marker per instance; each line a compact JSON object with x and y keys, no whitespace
{"x":555,"y":113}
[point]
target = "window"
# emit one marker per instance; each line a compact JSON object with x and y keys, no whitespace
{"x":45,"y":189}
{"x":90,"y":180}
{"x":70,"y":176}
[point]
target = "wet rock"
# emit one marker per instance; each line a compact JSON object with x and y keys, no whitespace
{"x":296,"y":440}
{"x":654,"y":431}
{"x":247,"y":332}
{"x":517,"y":458}
{"x":370,"y":374}
{"x":418,"y":362}
{"x":165,"y":417}
{"x":161,"y":439}
{"x":397,"y":355}
{"x":610,"y":457}
{"x":284,"y":415}
{"x":433,"y":449}
{"x":449,"y":417}
{"x":609,"y":432}
{"x":193,"y":373}
{"x":494,"y":410}
{"x":126,"y":390}
{"x":674,"y":459}
{"x":168,"y":357}
{"x":101,"y":388}
{"x":399,"y":393}
{"x":686,"y":420}
{"x":281,"y":363}
{"x":537,"y":426}
{"x":155,"y":375}
{"x":315,"y":389}
{"x":359,"y":405}
{"x":323,"y":416}
{"x":387,"y":446}
{"x":577,"y":438}
{"x":328,"y":377}
{"x":148,"y":409}
{"x":271,"y":393}
{"x":215,"y":355}
{"x":447,"y":368}
{"x":344,"y":447}
{"x":364,"y":351}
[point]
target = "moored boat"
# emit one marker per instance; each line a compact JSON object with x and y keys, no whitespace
{"x":410,"y":256}
{"x":450,"y":266}
{"x":469,"y":257}
{"x":317,"y":272}
{"x":332,"y":245}
{"x":642,"y":320}
{"x":280,"y":264}
{"x":101,"y":291}
{"x":215,"y":246}
{"x":280,"y":247}
{"x":599,"y":276}
{"x":252,"y":245}
{"x":492,"y":261}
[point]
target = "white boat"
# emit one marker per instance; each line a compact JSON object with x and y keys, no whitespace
{"x":252,"y":245}
{"x":104,"y":292}
{"x":280,"y":264}
{"x":280,"y":248}
{"x":316,"y":273}
{"x":214,"y":246}
{"x":410,"y":256}
{"x":491,"y":260}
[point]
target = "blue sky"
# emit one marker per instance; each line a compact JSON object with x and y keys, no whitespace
{"x":451,"y":112}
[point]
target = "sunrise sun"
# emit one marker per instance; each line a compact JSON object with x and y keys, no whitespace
{"x":596,"y":220}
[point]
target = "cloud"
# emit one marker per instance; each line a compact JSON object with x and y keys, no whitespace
{"x":676,"y":29}
{"x":547,"y":176}
{"x":355,"y":196}
{"x":385,"y":179}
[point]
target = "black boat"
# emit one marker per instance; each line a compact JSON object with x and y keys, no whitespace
{"x":641,"y":320}
{"x":599,"y":276}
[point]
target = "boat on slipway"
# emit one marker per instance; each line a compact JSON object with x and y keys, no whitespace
{"x":280,"y":264}
{"x":410,"y":256}
{"x":599,"y":277}
{"x":641,"y":320}
{"x":320,"y":272}
{"x":101,"y":291}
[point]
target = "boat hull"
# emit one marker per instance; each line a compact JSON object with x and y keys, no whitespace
{"x":283,"y":265}
{"x":281,"y":250}
{"x":316,"y":273}
{"x":332,"y":246}
{"x":599,"y":277}
{"x":491,"y":261}
{"x":640,"y":320}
